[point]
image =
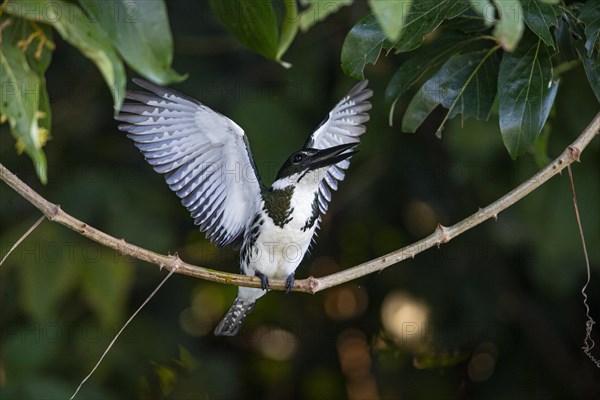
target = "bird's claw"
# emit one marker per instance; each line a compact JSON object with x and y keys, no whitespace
{"x":264,"y":280}
{"x":289,"y":282}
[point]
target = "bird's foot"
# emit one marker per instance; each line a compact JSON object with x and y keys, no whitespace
{"x":264,"y":280}
{"x":289,"y":282}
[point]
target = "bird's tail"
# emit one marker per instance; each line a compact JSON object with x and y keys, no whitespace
{"x":233,"y":320}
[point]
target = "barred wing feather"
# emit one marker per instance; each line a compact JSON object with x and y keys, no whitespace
{"x":203,"y":155}
{"x":343,"y":125}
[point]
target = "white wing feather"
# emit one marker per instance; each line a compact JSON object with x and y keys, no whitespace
{"x":204,"y":156}
{"x":343,"y":125}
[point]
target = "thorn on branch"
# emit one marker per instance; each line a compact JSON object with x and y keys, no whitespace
{"x":177,"y":263}
{"x":575,"y":153}
{"x":313,"y":284}
{"x":442,"y":231}
{"x":53,"y":212}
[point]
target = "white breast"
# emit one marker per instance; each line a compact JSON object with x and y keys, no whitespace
{"x":278,"y":251}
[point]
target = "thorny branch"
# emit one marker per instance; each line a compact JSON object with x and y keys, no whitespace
{"x":442,"y":234}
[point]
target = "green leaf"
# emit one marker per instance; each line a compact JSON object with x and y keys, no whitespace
{"x":424,"y":17}
{"x":509,"y":27}
{"x":526,"y":94}
{"x":140,"y":31}
{"x":364,"y":42}
{"x":24,"y":99}
{"x":44,"y":125}
{"x":539,"y":17}
{"x":318,"y":10}
{"x":38,"y":42}
{"x":252,"y":22}
{"x":486,"y":9}
{"x":479,"y":94}
{"x":362,"y":46}
{"x":469,"y":22}
{"x":591,"y":65}
{"x":564,"y":40}
{"x":81,"y":32}
{"x":424,"y":60}
{"x":592,"y":70}
{"x":590,"y":16}
{"x":569,"y":36}
{"x":391,"y":15}
{"x":464,"y":85}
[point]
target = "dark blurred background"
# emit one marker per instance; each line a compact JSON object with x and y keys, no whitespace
{"x":496,"y":313}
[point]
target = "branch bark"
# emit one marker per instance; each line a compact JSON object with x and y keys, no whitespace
{"x":442,"y":234}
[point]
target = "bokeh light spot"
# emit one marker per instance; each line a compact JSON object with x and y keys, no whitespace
{"x":345,"y":302}
{"x":275,"y":343}
{"x":482,"y":364}
{"x":404,"y":318}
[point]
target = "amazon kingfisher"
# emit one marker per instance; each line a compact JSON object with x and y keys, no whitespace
{"x":206,"y":160}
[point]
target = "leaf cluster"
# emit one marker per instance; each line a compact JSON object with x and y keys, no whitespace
{"x":473,"y":57}
{"x":110,"y":34}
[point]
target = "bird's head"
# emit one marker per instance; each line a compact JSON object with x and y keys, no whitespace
{"x":310,"y":163}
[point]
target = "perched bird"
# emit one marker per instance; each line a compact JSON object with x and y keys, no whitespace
{"x":206,"y":161}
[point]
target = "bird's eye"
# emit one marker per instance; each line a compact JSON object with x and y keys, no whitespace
{"x":297,"y":158}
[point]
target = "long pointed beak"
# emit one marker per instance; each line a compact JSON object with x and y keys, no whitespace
{"x":330,"y":156}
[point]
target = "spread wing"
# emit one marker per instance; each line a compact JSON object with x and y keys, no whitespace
{"x":203,"y":155}
{"x":344,"y":124}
